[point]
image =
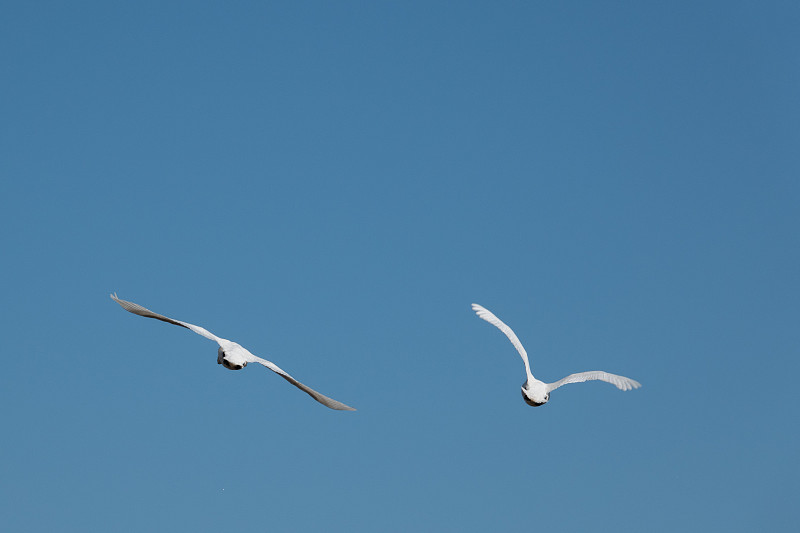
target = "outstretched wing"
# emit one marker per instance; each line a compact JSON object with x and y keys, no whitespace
{"x":487,"y":315}
{"x":137,"y":309}
{"x":620,"y":382}
{"x":321,"y":398}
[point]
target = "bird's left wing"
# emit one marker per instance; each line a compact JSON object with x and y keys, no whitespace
{"x":137,"y":309}
{"x":620,"y":382}
{"x":489,"y":317}
{"x":321,"y":398}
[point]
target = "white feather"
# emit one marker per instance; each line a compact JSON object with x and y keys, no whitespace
{"x":235,"y":351}
{"x":539,"y":391}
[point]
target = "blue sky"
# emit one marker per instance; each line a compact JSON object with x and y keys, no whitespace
{"x":332,"y":184}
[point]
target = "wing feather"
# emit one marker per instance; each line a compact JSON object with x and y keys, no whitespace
{"x":489,"y":317}
{"x":321,"y":398}
{"x":620,"y":382}
{"x":137,"y":309}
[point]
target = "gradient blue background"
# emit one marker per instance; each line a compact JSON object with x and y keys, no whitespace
{"x":331,"y":184}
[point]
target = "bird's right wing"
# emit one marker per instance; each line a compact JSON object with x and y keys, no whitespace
{"x":321,"y":398}
{"x":620,"y":382}
{"x":489,"y":317}
{"x":137,"y":309}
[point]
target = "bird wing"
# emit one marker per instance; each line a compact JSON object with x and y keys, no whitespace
{"x":620,"y":382}
{"x":487,"y":315}
{"x":321,"y":398}
{"x":137,"y":309}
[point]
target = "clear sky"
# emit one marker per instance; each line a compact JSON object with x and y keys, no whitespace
{"x":332,"y":184}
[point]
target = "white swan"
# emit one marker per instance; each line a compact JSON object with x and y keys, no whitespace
{"x":536,"y":392}
{"x":233,"y":356}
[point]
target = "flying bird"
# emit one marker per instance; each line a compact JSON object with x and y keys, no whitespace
{"x":233,"y":356}
{"x":536,"y":392}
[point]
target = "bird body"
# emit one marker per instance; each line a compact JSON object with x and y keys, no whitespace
{"x":536,"y":392}
{"x":232,"y":355}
